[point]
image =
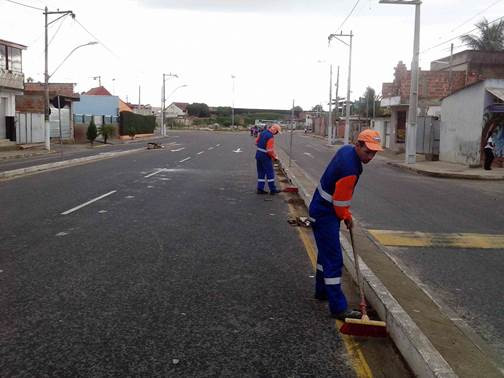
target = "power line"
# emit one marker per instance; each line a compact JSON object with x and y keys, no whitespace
{"x":24,"y":5}
{"x":96,"y":38}
{"x":57,"y":30}
{"x":349,"y":14}
{"x":476,"y":15}
{"x":458,"y":36}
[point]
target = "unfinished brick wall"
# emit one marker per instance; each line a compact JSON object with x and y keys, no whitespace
{"x":64,"y":89}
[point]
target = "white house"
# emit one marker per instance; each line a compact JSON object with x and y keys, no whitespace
{"x":176,"y":110}
{"x":463,"y":121}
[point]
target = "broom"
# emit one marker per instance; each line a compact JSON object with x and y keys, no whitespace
{"x":363,"y":326}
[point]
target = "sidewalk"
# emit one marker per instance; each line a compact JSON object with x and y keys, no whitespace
{"x":433,"y":342}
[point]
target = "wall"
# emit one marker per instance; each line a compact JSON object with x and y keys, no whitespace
{"x":461,"y":125}
{"x":97,"y":105}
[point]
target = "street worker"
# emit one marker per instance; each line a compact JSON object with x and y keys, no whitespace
{"x":265,"y":156}
{"x":329,"y":206}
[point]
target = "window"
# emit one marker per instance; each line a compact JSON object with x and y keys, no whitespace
{"x":3,"y":57}
{"x":14,"y":59}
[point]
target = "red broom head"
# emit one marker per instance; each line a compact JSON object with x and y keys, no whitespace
{"x":364,"y":330}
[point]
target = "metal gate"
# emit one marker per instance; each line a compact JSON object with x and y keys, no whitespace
{"x":29,"y":128}
{"x":428,"y":135}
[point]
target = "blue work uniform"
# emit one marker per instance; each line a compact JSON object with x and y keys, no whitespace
{"x":264,"y":158}
{"x":329,"y":206}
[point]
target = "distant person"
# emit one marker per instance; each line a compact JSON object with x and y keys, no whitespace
{"x":489,"y":153}
{"x":329,"y":206}
{"x":265,"y":156}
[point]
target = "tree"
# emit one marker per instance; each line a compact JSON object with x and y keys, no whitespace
{"x":92,"y":132}
{"x":297,"y":111}
{"x":491,"y":37}
{"x":318,"y":108}
{"x":106,"y":131}
{"x":200,"y":110}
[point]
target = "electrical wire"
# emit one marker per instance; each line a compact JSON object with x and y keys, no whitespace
{"x":24,"y":5}
{"x":476,"y":15}
{"x":458,"y":36}
{"x":96,"y":38}
{"x":349,"y":14}
{"x":56,"y":32}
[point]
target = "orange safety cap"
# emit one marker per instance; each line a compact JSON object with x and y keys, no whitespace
{"x":276,"y":128}
{"x":371,"y":138}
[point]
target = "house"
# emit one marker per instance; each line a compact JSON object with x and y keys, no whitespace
{"x":11,"y":85}
{"x":101,"y":106}
{"x":477,"y":65}
{"x":464,"y":125}
{"x":176,"y":110}
{"x":432,"y":86}
{"x":30,"y":125}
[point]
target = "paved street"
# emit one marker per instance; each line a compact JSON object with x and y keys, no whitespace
{"x":166,"y":263}
{"x":466,"y":280}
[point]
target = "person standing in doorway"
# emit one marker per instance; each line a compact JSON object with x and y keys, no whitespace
{"x":265,"y":156}
{"x":489,"y":153}
{"x":329,"y":206}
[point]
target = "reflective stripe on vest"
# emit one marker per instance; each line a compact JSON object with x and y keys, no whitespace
{"x":263,"y":150}
{"x":332,"y":281}
{"x":329,"y":198}
{"x":320,"y":267}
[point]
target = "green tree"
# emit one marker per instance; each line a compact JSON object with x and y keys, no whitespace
{"x":200,"y":110}
{"x":92,"y":132}
{"x":297,"y":111}
{"x":106,"y":131}
{"x":490,"y":38}
{"x":318,"y":108}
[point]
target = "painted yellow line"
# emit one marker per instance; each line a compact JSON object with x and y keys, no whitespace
{"x":357,"y":358}
{"x":424,"y":239}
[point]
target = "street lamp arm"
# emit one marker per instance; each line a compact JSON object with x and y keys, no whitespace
{"x":68,"y":56}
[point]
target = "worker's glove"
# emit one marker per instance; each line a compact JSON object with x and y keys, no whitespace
{"x":349,"y":223}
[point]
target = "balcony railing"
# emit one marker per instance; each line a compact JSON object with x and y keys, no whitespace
{"x":11,"y":80}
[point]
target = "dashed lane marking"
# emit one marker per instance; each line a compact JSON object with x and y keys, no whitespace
{"x":423,"y":239}
{"x":155,"y":172}
{"x":187,"y":158}
{"x":210,"y":148}
{"x":201,"y":152}
{"x":88,"y":202}
{"x":178,"y":149}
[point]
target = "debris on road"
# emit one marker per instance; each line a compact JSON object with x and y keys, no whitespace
{"x":154,"y":146}
{"x":299,"y":221}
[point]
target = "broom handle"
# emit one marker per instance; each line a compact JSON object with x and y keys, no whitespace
{"x":357,"y":272}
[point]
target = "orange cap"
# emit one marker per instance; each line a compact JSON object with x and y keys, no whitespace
{"x":371,"y":138}
{"x":276,"y":128}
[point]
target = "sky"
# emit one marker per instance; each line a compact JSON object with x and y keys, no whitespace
{"x":277,"y":50}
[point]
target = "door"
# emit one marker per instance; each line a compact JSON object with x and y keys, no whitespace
{"x":3,"y":112}
{"x":401,"y":127}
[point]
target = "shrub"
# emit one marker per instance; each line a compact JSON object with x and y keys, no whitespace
{"x":92,"y":132}
{"x":106,"y":131}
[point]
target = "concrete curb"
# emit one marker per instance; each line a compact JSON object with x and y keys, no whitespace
{"x":422,"y":357}
{"x":15,"y":173}
{"x":467,"y":176}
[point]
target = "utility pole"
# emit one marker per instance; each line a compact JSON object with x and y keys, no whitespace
{"x":411,"y":130}
{"x":232,"y":107}
{"x":450,"y":74}
{"x":292,"y":131}
{"x":347,"y":120}
{"x":163,"y":99}
{"x":47,"y":123}
{"x":99,"y":80}
{"x":329,"y":123}
{"x":337,"y":98}
{"x":139,"y":98}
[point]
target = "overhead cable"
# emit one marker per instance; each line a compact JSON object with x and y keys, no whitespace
{"x":24,"y":5}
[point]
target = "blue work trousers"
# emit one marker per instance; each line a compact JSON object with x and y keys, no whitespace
{"x":265,"y":172}
{"x":329,"y":263}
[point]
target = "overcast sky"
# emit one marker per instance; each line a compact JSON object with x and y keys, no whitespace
{"x":277,"y":49}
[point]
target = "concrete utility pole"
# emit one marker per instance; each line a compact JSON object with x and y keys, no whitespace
{"x":232,"y":105}
{"x":450,"y":74}
{"x":163,"y":99}
{"x":329,"y":123}
{"x":411,"y":129}
{"x":347,"y":120}
{"x":292,"y":131}
{"x":337,"y":98}
{"x":47,"y":124}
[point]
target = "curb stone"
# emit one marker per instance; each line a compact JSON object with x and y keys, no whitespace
{"x":422,"y":357}
{"x":444,"y":174}
{"x":15,"y":173}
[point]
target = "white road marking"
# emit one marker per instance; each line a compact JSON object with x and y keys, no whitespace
{"x":199,"y":153}
{"x":102,"y":211}
{"x":149,"y":187}
{"x":129,"y":197}
{"x":308,"y":154}
{"x":238,"y":150}
{"x":178,"y":149}
{"x":155,"y":172}
{"x":210,"y":148}
{"x":187,"y":158}
{"x":62,"y":233}
{"x":88,"y":202}
{"x":217,"y":145}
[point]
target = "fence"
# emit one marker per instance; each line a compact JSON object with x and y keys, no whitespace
{"x":428,"y":136}
{"x":30,"y":128}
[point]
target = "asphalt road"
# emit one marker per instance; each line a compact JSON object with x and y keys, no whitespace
{"x":176,"y":269}
{"x":468,"y":281}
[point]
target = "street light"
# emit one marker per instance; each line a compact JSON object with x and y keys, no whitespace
{"x":411,"y":129}
{"x":70,"y":53}
{"x":163,"y":99}
{"x":172,"y":92}
{"x":232,"y":108}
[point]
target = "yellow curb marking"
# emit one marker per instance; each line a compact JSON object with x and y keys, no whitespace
{"x":354,"y":351}
{"x":423,"y":239}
